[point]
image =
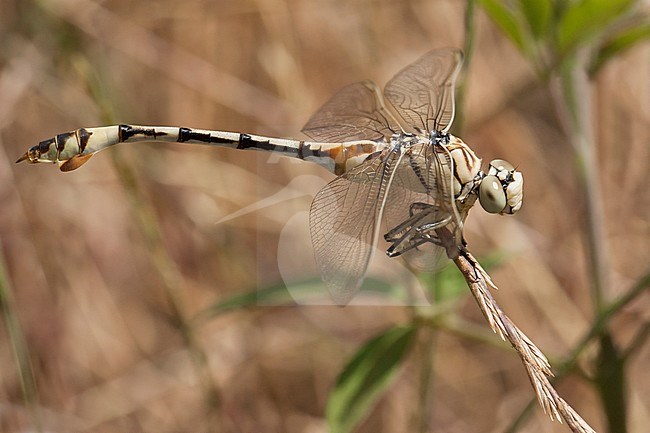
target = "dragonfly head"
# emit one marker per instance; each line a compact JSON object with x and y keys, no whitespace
{"x":502,"y":189}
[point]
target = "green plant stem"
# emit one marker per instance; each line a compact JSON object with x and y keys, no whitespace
{"x":576,"y":104}
{"x":468,"y":49}
{"x":610,"y":368}
{"x":597,"y":328}
{"x":19,"y":350}
{"x":610,"y":383}
{"x":600,"y":324}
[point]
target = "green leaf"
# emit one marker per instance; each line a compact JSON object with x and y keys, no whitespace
{"x":507,"y":21}
{"x":619,"y":43}
{"x":366,"y":376}
{"x":371,"y":284}
{"x":538,"y":14}
{"x":582,"y":20}
{"x":276,"y":294}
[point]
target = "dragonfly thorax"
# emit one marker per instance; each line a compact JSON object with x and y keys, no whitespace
{"x":466,"y":165}
{"x":404,"y":140}
{"x":439,"y":138}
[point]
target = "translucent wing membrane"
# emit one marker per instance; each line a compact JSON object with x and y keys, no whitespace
{"x":356,"y":112}
{"x":343,"y":221}
{"x":423,"y":92}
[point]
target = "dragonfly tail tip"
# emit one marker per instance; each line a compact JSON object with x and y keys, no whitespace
{"x":23,"y":158}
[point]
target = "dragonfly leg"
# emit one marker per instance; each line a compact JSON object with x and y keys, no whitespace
{"x":419,"y":229}
{"x":416,"y":213}
{"x":405,"y":244}
{"x":419,"y":207}
{"x":429,"y":227}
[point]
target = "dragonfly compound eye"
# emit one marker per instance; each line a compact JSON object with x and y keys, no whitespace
{"x":491,"y":195}
{"x":499,"y":165}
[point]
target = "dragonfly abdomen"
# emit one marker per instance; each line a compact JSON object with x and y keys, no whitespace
{"x":72,"y":149}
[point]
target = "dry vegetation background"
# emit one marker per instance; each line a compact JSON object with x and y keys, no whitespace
{"x":106,"y":308}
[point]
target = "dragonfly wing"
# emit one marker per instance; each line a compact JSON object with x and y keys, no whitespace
{"x":343,"y":221}
{"x":423,"y":177}
{"x":356,"y":112}
{"x":423,"y":92}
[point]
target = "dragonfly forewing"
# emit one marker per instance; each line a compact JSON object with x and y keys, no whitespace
{"x":423,"y":92}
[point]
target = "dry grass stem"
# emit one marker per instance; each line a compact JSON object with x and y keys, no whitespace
{"x":537,"y":366}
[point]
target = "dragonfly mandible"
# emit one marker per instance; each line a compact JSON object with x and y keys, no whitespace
{"x":395,"y":159}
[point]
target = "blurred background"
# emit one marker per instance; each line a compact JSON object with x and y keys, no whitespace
{"x":123,"y":281}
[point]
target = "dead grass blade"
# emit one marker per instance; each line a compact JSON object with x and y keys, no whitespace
{"x":536,"y":364}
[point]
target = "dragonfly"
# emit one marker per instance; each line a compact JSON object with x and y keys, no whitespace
{"x":399,"y":170}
